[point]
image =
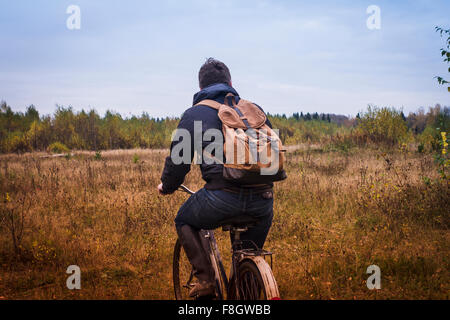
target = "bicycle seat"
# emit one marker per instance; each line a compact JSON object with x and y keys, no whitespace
{"x":238,"y":222}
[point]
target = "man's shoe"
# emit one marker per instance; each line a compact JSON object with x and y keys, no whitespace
{"x":203,"y":289}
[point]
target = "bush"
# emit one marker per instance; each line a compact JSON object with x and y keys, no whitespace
{"x":421,"y":148}
{"x":383,"y":126}
{"x":98,"y":155}
{"x":58,"y":147}
{"x":431,"y":137}
{"x":18,"y":144}
{"x":342,"y":143}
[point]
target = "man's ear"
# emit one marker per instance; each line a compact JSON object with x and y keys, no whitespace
{"x":231,"y":83}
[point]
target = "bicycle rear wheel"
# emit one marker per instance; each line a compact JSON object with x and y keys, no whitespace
{"x":254,"y":283}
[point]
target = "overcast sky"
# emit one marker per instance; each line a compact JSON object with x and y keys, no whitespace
{"x":287,"y":56}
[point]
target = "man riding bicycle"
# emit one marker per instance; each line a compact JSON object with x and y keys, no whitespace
{"x":220,"y":199}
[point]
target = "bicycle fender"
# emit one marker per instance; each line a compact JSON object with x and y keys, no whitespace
{"x":266,"y":275}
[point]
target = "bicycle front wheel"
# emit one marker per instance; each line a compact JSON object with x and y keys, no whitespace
{"x":182,"y":273}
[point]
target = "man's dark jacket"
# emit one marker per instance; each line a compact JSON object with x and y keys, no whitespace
{"x":173,"y":175}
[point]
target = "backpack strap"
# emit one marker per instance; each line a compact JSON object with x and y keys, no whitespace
{"x":231,"y":101}
{"x":216,"y":105}
{"x":209,"y":103}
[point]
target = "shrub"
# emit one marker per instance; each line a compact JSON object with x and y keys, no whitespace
{"x":18,"y":144}
{"x":383,"y":126}
{"x":421,"y":148}
{"x":58,"y":147}
{"x":98,"y":155}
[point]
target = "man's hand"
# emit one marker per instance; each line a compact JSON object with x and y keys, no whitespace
{"x":160,"y":189}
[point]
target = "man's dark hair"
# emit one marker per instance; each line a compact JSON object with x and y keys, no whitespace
{"x":213,"y":71}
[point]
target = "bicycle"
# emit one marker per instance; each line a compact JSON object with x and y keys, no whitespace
{"x":251,"y":277}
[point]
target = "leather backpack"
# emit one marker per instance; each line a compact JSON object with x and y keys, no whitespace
{"x":253,"y":152}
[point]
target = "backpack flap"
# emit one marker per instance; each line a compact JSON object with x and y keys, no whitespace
{"x":254,"y":116}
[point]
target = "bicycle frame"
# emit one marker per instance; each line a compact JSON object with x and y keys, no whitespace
{"x":216,"y":261}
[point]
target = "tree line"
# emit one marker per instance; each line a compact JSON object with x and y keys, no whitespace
{"x":87,"y":130}
{"x":68,"y":129}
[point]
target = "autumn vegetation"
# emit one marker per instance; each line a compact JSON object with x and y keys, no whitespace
{"x":68,"y":130}
{"x":373,"y":189}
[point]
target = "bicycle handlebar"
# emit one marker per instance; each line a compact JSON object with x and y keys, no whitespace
{"x":185,"y":189}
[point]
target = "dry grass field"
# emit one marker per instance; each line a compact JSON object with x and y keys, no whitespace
{"x":336,"y":214}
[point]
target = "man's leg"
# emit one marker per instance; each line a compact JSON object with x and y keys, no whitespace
{"x":257,"y":233}
{"x":188,"y":222}
{"x":192,"y":245}
{"x":262,"y":209}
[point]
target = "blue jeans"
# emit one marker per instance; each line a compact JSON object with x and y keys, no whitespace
{"x":206,"y":209}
